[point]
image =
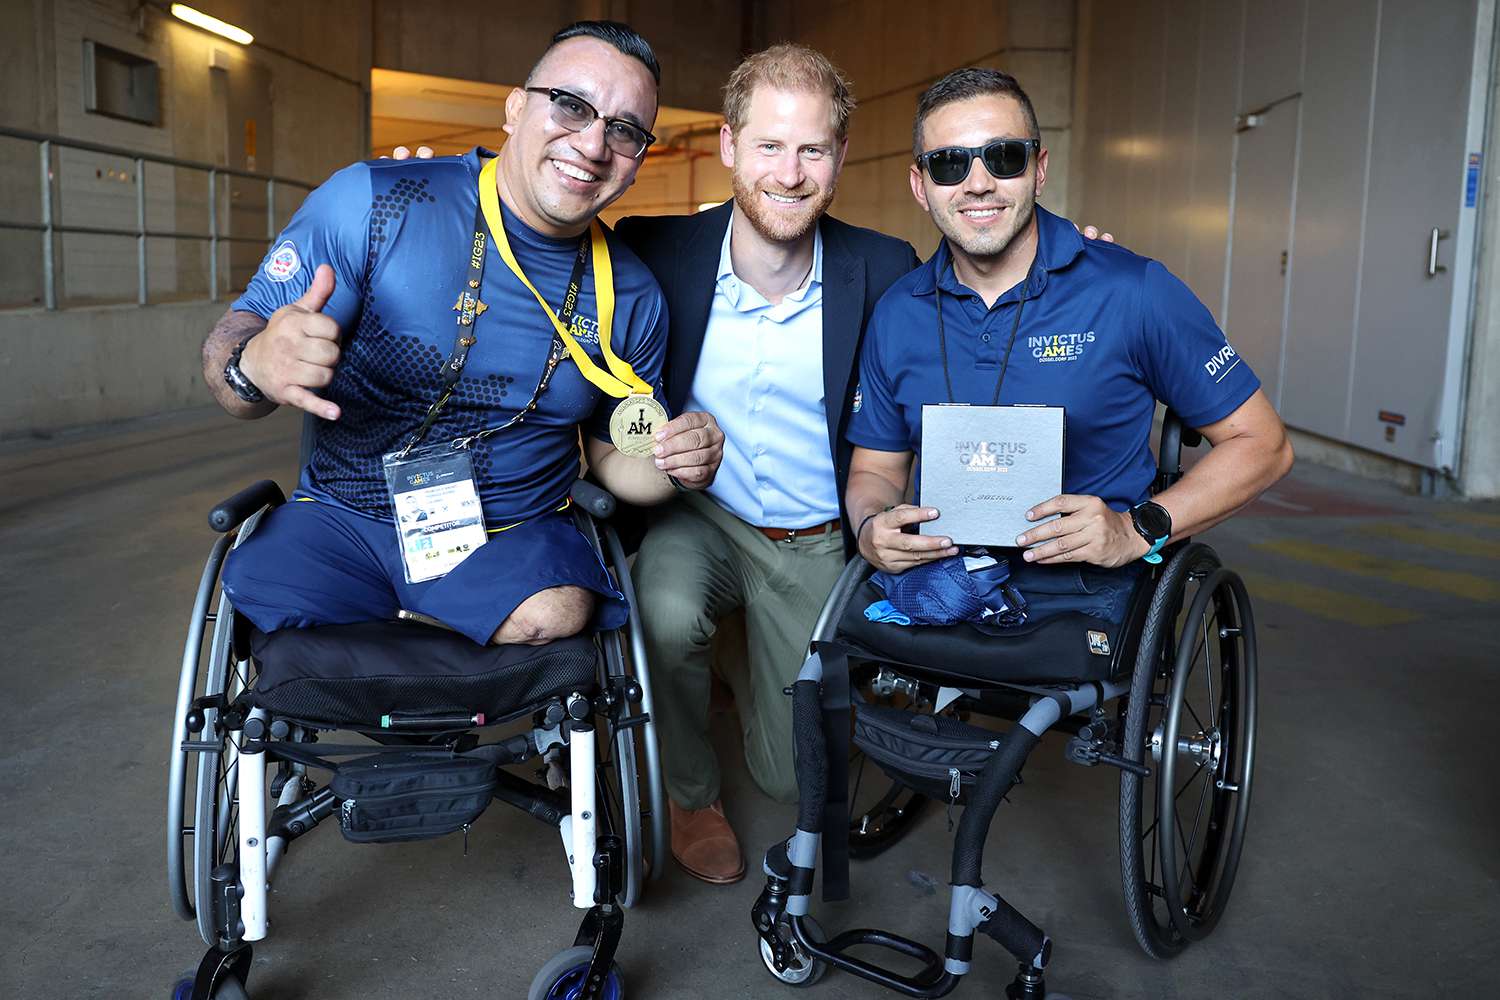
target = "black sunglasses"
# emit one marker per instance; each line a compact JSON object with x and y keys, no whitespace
{"x":575,"y":114}
{"x":1003,"y":158}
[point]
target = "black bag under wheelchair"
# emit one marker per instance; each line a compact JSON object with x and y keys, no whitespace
{"x":1167,"y":696}
{"x":250,"y":735}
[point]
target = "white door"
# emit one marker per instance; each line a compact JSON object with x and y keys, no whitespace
{"x":1432,"y":64}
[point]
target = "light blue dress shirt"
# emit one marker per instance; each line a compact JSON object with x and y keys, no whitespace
{"x":761,"y":375}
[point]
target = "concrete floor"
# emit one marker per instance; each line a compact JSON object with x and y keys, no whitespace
{"x":1371,"y":867}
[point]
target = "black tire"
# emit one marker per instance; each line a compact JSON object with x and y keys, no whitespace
{"x":633,"y":796}
{"x":621,"y":796}
{"x":1197,"y":661}
{"x":564,"y":967}
{"x":228,"y":988}
{"x":807,"y":970}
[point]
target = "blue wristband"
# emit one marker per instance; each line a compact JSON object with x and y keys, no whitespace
{"x":1156,"y":546}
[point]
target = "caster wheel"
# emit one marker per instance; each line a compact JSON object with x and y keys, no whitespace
{"x":802,"y":969}
{"x":562,"y":978}
{"x":228,"y":989}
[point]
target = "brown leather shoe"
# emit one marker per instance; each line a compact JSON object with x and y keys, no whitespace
{"x":704,"y":844}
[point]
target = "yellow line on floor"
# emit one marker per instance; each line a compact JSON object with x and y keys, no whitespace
{"x":1473,"y":517}
{"x":1407,"y":574}
{"x":1443,"y":541}
{"x":1324,"y":602}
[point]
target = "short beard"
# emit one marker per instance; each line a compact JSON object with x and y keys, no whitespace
{"x":987,"y":245}
{"x":774,"y":228}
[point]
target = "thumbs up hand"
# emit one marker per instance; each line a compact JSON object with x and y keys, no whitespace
{"x":297,"y":351}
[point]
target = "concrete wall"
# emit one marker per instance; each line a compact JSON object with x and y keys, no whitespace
{"x":893,"y":49}
{"x":308,"y":74}
{"x":1349,"y":336}
{"x":93,"y":365}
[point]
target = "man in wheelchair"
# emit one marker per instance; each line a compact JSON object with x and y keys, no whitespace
{"x":437,"y":487}
{"x":1017,"y":308}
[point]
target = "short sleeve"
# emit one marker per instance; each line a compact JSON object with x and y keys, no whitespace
{"x":876,"y":421}
{"x":332,"y":227}
{"x":646,"y":357}
{"x":1184,"y":357}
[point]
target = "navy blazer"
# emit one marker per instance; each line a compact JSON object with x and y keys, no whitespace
{"x":858,"y":266}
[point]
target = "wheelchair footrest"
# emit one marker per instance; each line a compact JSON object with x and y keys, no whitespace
{"x":932,"y":961}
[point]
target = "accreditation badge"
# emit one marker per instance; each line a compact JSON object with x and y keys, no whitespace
{"x":634,"y":424}
{"x":439,"y":520}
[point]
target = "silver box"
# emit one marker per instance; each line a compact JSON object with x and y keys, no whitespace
{"x":983,"y":467}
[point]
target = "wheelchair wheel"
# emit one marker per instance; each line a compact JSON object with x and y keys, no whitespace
{"x":634,"y":795}
{"x":229,"y":988}
{"x":804,"y":970}
{"x":1191,"y":719}
{"x":562,"y":978}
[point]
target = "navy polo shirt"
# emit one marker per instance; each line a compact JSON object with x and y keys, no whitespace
{"x":398,"y":234}
{"x":1104,"y":333}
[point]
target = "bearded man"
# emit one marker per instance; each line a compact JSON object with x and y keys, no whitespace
{"x":768,"y":299}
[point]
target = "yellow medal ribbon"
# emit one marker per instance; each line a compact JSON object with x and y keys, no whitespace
{"x":624,"y":381}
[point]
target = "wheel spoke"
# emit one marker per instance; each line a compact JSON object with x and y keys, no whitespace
{"x":1208,"y":659}
{"x":1188,"y":782}
{"x":1198,"y":816}
{"x":1189,"y":706}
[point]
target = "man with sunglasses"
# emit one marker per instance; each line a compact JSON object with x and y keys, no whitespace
{"x":434,"y":358}
{"x":1017,"y":308}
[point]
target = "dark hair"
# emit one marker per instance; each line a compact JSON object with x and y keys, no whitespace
{"x":614,"y":33}
{"x":962,"y":84}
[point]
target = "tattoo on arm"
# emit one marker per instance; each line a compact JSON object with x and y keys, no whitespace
{"x":233,"y":329}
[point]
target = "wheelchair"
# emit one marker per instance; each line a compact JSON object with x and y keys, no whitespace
{"x":246,"y":740}
{"x":1180,"y":670}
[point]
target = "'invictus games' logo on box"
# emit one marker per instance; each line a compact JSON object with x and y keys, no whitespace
{"x":988,"y":456}
{"x":1059,"y":346}
{"x":283,"y":262}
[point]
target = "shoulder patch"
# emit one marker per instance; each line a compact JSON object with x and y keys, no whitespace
{"x":283,"y":264}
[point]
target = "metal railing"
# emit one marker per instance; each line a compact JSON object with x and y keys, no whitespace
{"x":49,"y":227}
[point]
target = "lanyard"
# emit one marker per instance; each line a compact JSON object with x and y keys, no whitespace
{"x":624,"y":380}
{"x":1005,"y":362}
{"x":469,"y":309}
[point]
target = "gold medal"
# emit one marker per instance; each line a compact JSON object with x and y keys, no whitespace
{"x":634,"y":424}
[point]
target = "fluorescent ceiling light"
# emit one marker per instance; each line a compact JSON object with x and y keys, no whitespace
{"x":709,"y":204}
{"x":198,"y":19}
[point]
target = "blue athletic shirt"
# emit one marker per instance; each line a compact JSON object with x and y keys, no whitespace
{"x":398,"y":234}
{"x":1105,"y":333}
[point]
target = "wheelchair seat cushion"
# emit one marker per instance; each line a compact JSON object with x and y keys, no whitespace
{"x":356,"y":674}
{"x":1066,"y":648}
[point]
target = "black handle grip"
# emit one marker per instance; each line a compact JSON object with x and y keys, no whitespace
{"x":595,"y":499}
{"x":231,"y":513}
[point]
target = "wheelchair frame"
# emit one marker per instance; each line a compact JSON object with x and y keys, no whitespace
{"x":794,"y":949}
{"x":237,"y":843}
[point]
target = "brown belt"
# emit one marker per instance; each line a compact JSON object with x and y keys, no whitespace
{"x":791,"y":534}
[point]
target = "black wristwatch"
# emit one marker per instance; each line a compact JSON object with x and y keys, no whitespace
{"x":238,"y":383}
{"x":1153,"y":522}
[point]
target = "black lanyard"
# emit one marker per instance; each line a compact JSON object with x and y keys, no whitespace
{"x":1016,"y":326}
{"x":468,"y":307}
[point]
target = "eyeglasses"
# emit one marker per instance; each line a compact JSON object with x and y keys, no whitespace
{"x":1002,"y":158}
{"x":575,"y":114}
